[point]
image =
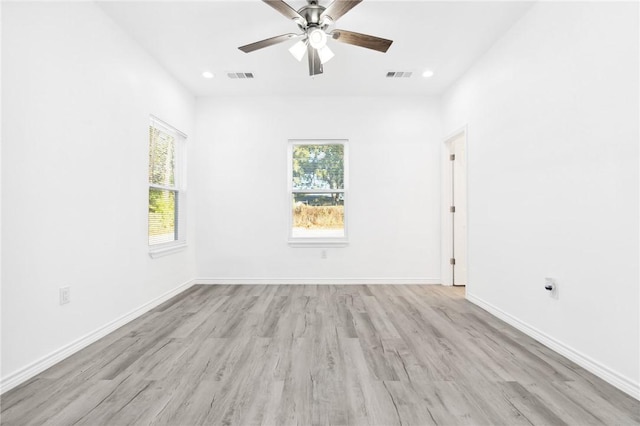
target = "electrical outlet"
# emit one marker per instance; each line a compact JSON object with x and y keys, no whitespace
{"x":551,"y":285}
{"x":323,"y":254}
{"x":65,"y":295}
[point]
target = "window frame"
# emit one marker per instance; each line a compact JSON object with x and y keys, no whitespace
{"x":179,"y":188}
{"x":317,"y":241}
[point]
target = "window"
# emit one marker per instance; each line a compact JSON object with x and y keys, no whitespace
{"x":318,"y":192}
{"x":166,"y":186}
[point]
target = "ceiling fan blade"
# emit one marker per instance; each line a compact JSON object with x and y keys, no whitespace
{"x":362,"y":40}
{"x":315,"y":65}
{"x":338,"y":8}
{"x":286,"y":10}
{"x":268,"y":42}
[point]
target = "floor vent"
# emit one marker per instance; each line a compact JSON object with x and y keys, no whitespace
{"x":240,"y":75}
{"x":399,"y":74}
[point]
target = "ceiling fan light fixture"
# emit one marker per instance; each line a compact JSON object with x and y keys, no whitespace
{"x":317,"y":38}
{"x":299,"y":49}
{"x":316,"y":23}
{"x":326,"y":22}
{"x":325,"y":54}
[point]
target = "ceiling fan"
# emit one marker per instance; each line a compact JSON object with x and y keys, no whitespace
{"x":316,"y":21}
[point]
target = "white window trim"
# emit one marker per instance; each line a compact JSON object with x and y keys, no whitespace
{"x":317,"y":242}
{"x":161,"y":250}
{"x":180,"y":177}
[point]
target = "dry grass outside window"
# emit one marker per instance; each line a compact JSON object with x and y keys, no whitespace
{"x":318,"y":217}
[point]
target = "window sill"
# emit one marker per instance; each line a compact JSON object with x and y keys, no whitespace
{"x":157,"y":252}
{"x":317,"y":243}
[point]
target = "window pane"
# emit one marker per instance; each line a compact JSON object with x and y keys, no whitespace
{"x":318,"y":166}
{"x":161,"y":157}
{"x":318,"y":215}
{"x":162,"y":216}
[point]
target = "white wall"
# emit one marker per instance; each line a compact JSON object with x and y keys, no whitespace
{"x":552,"y":114}
{"x":77,"y":94}
{"x":394,"y":198}
{"x":1,"y":195}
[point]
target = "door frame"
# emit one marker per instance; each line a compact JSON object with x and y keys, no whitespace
{"x":446,"y":230}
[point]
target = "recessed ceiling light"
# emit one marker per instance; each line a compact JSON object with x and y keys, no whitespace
{"x":427,"y":74}
{"x":208,"y":74}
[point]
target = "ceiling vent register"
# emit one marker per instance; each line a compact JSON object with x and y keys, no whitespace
{"x":236,"y":75}
{"x":399,"y":74}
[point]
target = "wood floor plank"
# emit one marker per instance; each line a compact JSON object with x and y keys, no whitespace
{"x":534,"y":410}
{"x":373,"y":349}
{"x":273,"y":404}
{"x":321,"y":355}
{"x":297,"y":393}
{"x":199,"y":317}
{"x":326,"y":373}
{"x":562,"y":405}
{"x":238,"y":389}
{"x":384,"y":328}
{"x":372,"y":396}
{"x":130,"y":392}
{"x":81,"y":404}
{"x":190,"y":403}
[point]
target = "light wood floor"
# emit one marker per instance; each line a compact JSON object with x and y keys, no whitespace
{"x":280,"y":355}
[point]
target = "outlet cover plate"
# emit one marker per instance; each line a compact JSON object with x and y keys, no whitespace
{"x":65,"y":295}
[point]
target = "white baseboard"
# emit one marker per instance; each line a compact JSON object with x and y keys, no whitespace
{"x":605,"y":373}
{"x":37,"y":367}
{"x":307,"y":281}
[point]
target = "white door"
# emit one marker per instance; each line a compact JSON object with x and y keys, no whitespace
{"x":459,"y":208}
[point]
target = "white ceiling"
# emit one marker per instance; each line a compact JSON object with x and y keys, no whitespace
{"x":188,"y":38}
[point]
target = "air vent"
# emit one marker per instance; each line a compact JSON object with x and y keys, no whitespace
{"x":240,"y":75}
{"x":399,"y":74}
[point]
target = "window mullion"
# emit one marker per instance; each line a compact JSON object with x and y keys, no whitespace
{"x":166,"y":188}
{"x":316,"y":191}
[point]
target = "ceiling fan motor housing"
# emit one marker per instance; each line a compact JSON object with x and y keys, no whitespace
{"x":311,"y":13}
